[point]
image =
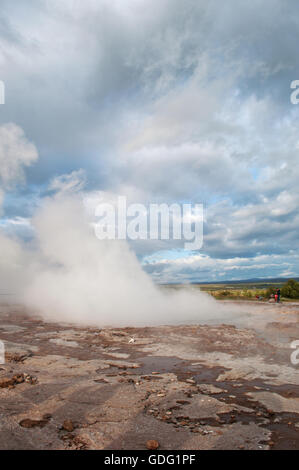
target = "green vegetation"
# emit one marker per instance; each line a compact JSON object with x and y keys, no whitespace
{"x":290,"y":289}
{"x":262,"y":290}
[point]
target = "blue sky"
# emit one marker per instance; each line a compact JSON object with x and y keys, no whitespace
{"x":161,"y":101}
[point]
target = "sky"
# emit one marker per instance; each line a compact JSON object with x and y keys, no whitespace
{"x":160,"y":101}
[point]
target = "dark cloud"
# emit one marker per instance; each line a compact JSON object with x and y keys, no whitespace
{"x":170,"y":101}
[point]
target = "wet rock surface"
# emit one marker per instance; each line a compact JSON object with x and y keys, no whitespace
{"x":173,"y":387}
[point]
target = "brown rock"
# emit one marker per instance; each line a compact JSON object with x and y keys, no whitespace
{"x":68,"y":425}
{"x":16,"y":379}
{"x":152,"y":444}
{"x":4,"y":383}
{"x":32,"y":423}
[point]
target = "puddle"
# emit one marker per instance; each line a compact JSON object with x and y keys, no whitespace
{"x":285,"y":435}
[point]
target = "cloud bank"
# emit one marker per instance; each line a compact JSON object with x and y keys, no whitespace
{"x":163,"y":102}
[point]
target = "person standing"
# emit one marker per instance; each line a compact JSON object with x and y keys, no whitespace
{"x":278,"y":295}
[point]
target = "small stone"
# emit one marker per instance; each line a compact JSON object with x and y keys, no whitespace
{"x":5,"y":383}
{"x":68,"y":425}
{"x":9,"y":383}
{"x":18,"y":379}
{"x":190,"y":381}
{"x":32,"y":423}
{"x":152,"y":444}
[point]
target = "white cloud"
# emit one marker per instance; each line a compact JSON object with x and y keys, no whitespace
{"x":203,"y":268}
{"x":69,"y":183}
{"x":16,"y":152}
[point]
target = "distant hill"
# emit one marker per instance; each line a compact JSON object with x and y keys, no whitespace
{"x":274,"y":280}
{"x":257,"y":280}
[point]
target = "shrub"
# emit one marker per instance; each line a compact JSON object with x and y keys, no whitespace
{"x":225,"y":293}
{"x":290,"y":289}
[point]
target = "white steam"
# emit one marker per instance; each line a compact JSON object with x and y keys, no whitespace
{"x":84,"y":280}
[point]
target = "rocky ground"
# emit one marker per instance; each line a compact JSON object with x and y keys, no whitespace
{"x":186,"y":387}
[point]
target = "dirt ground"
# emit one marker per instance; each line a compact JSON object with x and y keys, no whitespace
{"x":225,"y":386}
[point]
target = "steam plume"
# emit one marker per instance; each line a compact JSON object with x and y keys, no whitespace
{"x":84,"y":280}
